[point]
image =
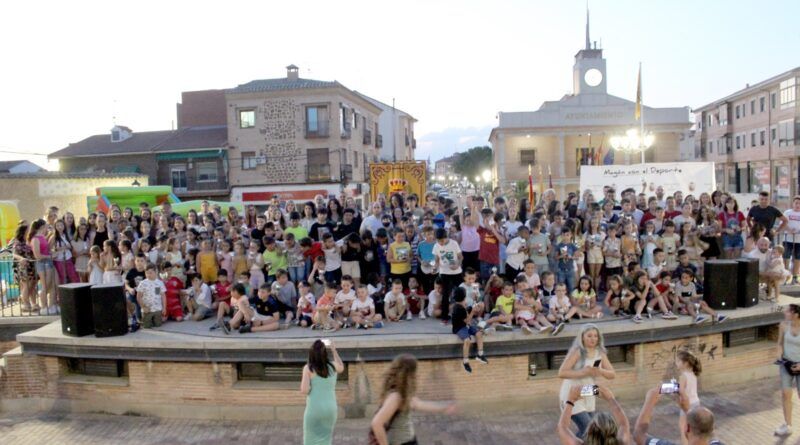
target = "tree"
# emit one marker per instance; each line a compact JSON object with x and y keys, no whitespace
{"x":473,"y":162}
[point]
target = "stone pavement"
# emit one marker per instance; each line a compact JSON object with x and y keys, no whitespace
{"x":744,"y":416}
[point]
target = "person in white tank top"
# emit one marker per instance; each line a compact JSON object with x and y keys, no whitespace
{"x":689,"y":368}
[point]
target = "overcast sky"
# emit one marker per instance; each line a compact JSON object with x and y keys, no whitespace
{"x":68,"y":67}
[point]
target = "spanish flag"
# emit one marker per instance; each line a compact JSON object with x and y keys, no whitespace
{"x":637,"y":112}
{"x":530,"y":185}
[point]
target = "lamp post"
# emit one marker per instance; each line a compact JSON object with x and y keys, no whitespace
{"x":633,"y":141}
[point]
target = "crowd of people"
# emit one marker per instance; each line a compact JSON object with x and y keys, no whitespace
{"x":327,"y":264}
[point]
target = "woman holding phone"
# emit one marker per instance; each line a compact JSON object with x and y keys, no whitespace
{"x":319,"y":386}
{"x":585,"y":361}
{"x":789,"y":358}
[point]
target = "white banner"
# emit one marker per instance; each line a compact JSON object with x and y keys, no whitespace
{"x":692,"y":178}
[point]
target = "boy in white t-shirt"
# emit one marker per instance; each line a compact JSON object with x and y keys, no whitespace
{"x":305,"y":305}
{"x":363,"y":310}
{"x":344,"y":299}
{"x":395,"y":302}
{"x":435,"y":299}
{"x":199,"y":299}
{"x":151,"y":295}
{"x":529,"y":272}
{"x":561,"y":309}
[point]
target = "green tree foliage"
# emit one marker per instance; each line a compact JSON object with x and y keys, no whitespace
{"x":473,"y":162}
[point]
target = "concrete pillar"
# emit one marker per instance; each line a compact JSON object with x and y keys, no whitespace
{"x":562,"y":169}
{"x":500,"y":151}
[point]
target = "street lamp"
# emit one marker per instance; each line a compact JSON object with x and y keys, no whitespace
{"x":633,"y":142}
{"x":487,"y":175}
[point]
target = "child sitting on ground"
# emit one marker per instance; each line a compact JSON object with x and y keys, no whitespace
{"x":473,"y":292}
{"x":416,"y":298}
{"x":262,"y":315}
{"x":647,"y":296}
{"x":561,"y":309}
{"x":323,"y":318}
{"x":305,"y":305}
{"x":344,"y":299}
{"x":529,"y":272}
{"x":362,"y":311}
{"x":665,"y":288}
{"x":462,"y":327}
{"x":221,"y":290}
{"x":395,"y":302}
{"x":685,"y":290}
{"x":492,"y":290}
{"x":776,"y":273}
{"x":198,"y":299}
{"x":584,"y":299}
{"x":546,"y":291}
{"x":435,"y":299}
{"x":618,"y":299}
{"x":503,"y":313}
{"x":152,"y":298}
{"x":527,"y":312}
{"x":243,"y":313}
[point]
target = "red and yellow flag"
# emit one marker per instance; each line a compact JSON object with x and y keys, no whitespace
{"x":637,"y":112}
{"x":530,"y":185}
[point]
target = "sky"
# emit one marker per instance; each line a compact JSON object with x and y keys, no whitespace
{"x":70,"y":68}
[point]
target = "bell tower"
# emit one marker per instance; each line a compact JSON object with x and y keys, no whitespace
{"x":589,"y":71}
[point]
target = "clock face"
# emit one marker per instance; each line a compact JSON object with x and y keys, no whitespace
{"x":593,"y":77}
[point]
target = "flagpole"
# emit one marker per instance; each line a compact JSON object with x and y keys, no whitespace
{"x":641,"y":110}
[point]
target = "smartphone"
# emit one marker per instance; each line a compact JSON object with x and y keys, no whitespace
{"x":326,"y":342}
{"x":589,"y":390}
{"x":669,"y":387}
{"x":597,"y":363}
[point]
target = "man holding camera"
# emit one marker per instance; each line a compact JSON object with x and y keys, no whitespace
{"x":699,"y":423}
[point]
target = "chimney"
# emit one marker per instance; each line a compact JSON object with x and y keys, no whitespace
{"x":291,"y":72}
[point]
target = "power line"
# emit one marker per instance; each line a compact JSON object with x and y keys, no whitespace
{"x":24,"y":153}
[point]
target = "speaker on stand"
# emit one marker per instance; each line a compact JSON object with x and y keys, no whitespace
{"x":719,"y":286}
{"x":109,"y":309}
{"x":76,"y":309}
{"x":747,"y":282}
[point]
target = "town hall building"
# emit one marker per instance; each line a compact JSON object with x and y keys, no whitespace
{"x":563,"y":135}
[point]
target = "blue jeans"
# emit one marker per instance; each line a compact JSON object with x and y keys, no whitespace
{"x":582,"y":421}
{"x":486,"y":270}
{"x":132,"y":299}
{"x":297,"y":274}
{"x":567,"y":277}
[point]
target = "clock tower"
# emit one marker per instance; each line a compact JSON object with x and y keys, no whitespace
{"x":589,"y":71}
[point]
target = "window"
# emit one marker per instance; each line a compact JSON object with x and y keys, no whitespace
{"x":206,"y":172}
{"x":744,"y":109}
{"x":366,"y":161}
{"x":752,"y":139}
{"x":276,"y":372}
{"x":762,"y":136}
{"x":772,"y":100}
{"x":773,"y":135}
{"x":710,"y":147}
{"x":249,"y":160}
{"x":786,"y":130}
{"x":178,"y":178}
{"x":527,"y":157}
{"x":761,"y":104}
{"x":318,"y":167}
{"x":753,"y":106}
{"x":738,"y":142}
{"x":355,"y":120}
{"x":316,"y":121}
{"x":344,"y":123}
{"x":583,"y":156}
{"x":247,"y":118}
{"x":737,"y":112}
{"x":114,"y":135}
{"x":747,"y":336}
{"x":788,"y":93}
{"x":709,"y":120}
{"x":97,"y":367}
{"x":355,"y":159}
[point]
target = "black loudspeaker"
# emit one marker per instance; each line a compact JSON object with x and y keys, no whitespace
{"x":109,"y":310}
{"x":747,"y":282}
{"x":76,"y":309}
{"x":719,"y":286}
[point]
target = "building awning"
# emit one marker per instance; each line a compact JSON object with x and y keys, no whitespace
{"x":126,"y":169}
{"x":190,"y":155}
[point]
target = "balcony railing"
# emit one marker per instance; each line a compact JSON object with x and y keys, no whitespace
{"x":367,"y":140}
{"x":318,"y":129}
{"x":378,"y":141}
{"x":318,"y":173}
{"x":346,"y":132}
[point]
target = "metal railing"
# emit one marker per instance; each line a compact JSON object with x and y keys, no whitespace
{"x":367,"y":140}
{"x":321,"y":129}
{"x":318,"y":173}
{"x":10,"y":301}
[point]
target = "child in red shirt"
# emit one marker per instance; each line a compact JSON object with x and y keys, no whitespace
{"x":174,"y":287}
{"x":665,"y":288}
{"x":416,"y":298}
{"x":222,"y":289}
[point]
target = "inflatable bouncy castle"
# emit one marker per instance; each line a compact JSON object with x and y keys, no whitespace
{"x":130,"y":197}
{"x":9,"y":219}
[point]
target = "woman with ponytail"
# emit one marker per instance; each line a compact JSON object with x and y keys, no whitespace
{"x":689,"y":368}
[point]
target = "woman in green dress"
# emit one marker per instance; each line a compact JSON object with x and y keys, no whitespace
{"x":319,"y":386}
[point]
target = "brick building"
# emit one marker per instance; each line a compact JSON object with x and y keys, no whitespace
{"x":751,"y":136}
{"x":193,"y":160}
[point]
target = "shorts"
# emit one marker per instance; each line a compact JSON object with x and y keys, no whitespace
{"x":203,"y":311}
{"x":656,"y":441}
{"x":466,"y":332}
{"x":595,"y":256}
{"x":306,"y":318}
{"x":613,"y":271}
{"x":284,"y":308}
{"x":732,"y":241}
{"x":789,"y":381}
{"x":495,"y":314}
{"x":261,"y":317}
{"x":351,"y":268}
{"x":151,"y":319}
{"x":525,"y":315}
{"x":44,"y":265}
{"x":791,"y":250}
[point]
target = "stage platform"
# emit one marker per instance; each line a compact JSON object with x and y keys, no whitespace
{"x":191,"y":341}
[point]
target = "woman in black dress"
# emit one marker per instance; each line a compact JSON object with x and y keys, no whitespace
{"x":709,"y":231}
{"x":24,"y":271}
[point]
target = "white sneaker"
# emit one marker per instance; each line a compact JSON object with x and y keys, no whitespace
{"x":422,"y":315}
{"x":408,"y":316}
{"x":783,"y":430}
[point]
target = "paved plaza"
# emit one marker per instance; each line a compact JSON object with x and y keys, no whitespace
{"x":744,"y":416}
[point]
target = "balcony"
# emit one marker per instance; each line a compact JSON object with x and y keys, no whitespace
{"x":318,"y":129}
{"x":367,"y":140}
{"x":318,"y":173}
{"x":378,"y":141}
